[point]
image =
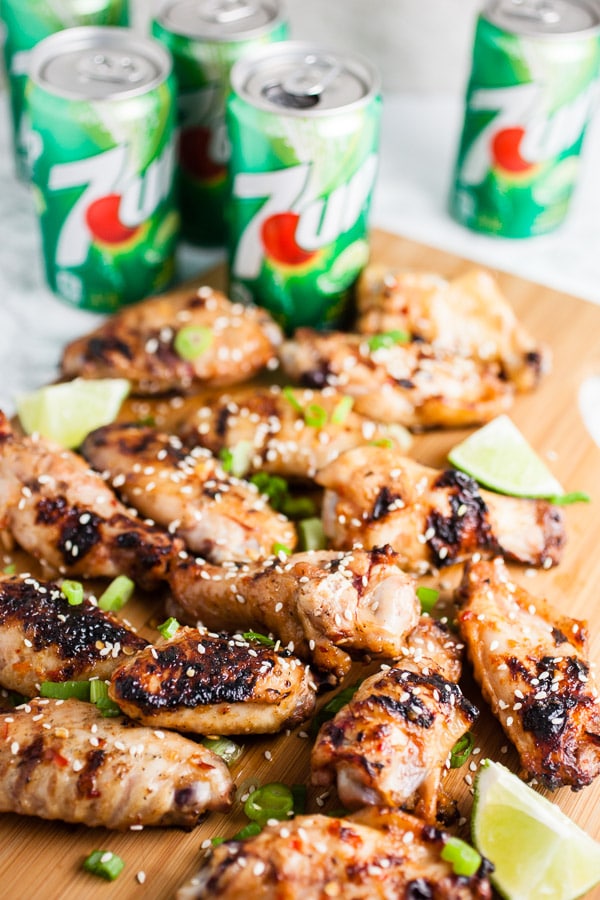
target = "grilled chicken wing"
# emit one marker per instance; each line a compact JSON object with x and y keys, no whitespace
{"x":64,"y":514}
{"x":292,"y":433}
{"x":44,"y":638}
{"x":532,"y":666}
{"x":431,"y":518}
{"x":62,"y":760}
{"x":416,"y":384}
{"x":389,"y":744}
{"x":468,"y":315}
{"x":373,"y":855}
{"x":213,"y":684}
{"x":188,"y":492}
{"x":322,"y":604}
{"x":139,"y":343}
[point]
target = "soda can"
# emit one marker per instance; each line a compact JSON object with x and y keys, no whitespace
{"x":26,"y":23}
{"x":102,"y":109}
{"x":206,"y":37}
{"x":304,"y":128}
{"x":532,"y":90}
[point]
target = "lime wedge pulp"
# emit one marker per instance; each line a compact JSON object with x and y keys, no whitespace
{"x":66,"y":413}
{"x":536,"y":849}
{"x":499,"y":457}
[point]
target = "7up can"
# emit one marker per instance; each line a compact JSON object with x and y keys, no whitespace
{"x":304,"y":128}
{"x":102,"y":108}
{"x":29,"y":21}
{"x":206,"y":37}
{"x":532,"y":89}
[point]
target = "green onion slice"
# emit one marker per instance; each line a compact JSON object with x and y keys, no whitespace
{"x":427,"y":597}
{"x":281,"y":548}
{"x":10,"y":569}
{"x":116,"y":594}
{"x":236,"y":460}
{"x":312,"y":535}
{"x":64,"y":690}
{"x":192,"y":341}
{"x":228,"y":750}
{"x":315,"y":415}
{"x":272,"y":801}
{"x":382,"y":442}
{"x":73,"y":591}
{"x":334,"y":705}
{"x":169,"y":628}
{"x":99,"y":696}
{"x":249,"y":830}
{"x":259,"y":638}
{"x":342,"y":410}
{"x":104,"y":864}
{"x":465,"y":859}
{"x":288,"y":393}
{"x":299,"y":793}
{"x":461,"y":750}
{"x":567,"y":499}
{"x":387,"y":339}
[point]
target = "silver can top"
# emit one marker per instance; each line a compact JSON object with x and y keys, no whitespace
{"x":300,"y":78}
{"x":219,"y":20}
{"x":99,"y":63}
{"x":545,"y":18}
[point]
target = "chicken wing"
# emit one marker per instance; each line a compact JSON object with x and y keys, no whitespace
{"x":321,"y":604}
{"x":414,"y":384}
{"x":388,"y":746}
{"x":373,"y":855}
{"x":291,"y":433}
{"x":44,"y":638}
{"x":432,"y":518}
{"x":532,"y":666}
{"x":64,"y":514}
{"x":62,"y":760}
{"x":468,"y":315}
{"x":211,"y":684}
{"x":188,"y":492}
{"x":140,"y":343}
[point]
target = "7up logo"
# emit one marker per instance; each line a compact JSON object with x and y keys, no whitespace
{"x":114,"y":202}
{"x":521,"y":134}
{"x":291,"y":224}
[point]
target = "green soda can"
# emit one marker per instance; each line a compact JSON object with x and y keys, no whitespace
{"x":29,"y":21}
{"x":532,"y":89}
{"x":102,"y":109}
{"x":206,"y":37}
{"x":304,"y":128}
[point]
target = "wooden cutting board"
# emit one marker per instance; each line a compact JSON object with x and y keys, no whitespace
{"x":43,"y":859}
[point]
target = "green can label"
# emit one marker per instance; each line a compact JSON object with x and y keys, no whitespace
{"x":202,"y":69}
{"x":301,"y":192}
{"x":103,"y":178}
{"x":528,"y":103}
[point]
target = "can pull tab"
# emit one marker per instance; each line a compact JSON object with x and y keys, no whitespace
{"x":110,"y":67}
{"x":542,"y":11}
{"x":226,"y":11}
{"x":312,"y":78}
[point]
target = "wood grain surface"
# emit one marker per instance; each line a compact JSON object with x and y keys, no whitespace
{"x":43,"y":859}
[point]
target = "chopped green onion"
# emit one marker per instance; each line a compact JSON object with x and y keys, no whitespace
{"x":567,"y":499}
{"x":228,"y":750}
{"x":272,"y":801}
{"x":249,"y":830}
{"x":192,"y":341}
{"x":288,"y":393}
{"x":116,"y":594}
{"x":281,"y":548}
{"x":11,"y":698}
{"x":428,"y":597}
{"x":105,"y":864}
{"x":464,"y":858}
{"x":273,"y":487}
{"x":342,"y":410}
{"x":259,"y":638}
{"x":99,"y":696}
{"x":387,"y":339}
{"x":382,"y":442}
{"x":461,"y":750}
{"x":315,"y":415}
{"x":312,"y":535}
{"x":217,"y":841}
{"x":64,"y":690}
{"x":236,"y":460}
{"x":298,"y":507}
{"x":73,"y":591}
{"x":169,"y":628}
{"x":10,"y":569}
{"x":339,"y":813}
{"x":299,"y":793}
{"x":148,"y":421}
{"x":334,"y":705}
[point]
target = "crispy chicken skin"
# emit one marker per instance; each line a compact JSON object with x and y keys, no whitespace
{"x":378,"y":854}
{"x":531,"y":663}
{"x":322,"y":604}
{"x":414,"y":384}
{"x":280,"y":428}
{"x":188,"y":492}
{"x":44,"y":638}
{"x":468,"y":315}
{"x":63,"y":513}
{"x":389,"y":744}
{"x":432,"y":518}
{"x":138,"y":343}
{"x":62,"y":760}
{"x":211,"y":684}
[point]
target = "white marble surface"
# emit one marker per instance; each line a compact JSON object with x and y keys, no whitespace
{"x":418,"y":146}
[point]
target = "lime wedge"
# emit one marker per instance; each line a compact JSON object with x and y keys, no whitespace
{"x":536,"y":849}
{"x":66,"y":413}
{"x":499,"y":457}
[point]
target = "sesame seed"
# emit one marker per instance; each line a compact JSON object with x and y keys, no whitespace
{"x":141,"y":877}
